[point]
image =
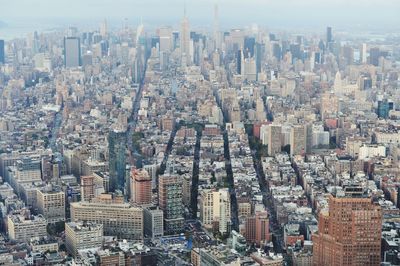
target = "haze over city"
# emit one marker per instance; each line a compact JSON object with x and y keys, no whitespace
{"x":200,"y":133}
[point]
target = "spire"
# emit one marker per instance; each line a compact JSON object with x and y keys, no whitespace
{"x":184,"y":8}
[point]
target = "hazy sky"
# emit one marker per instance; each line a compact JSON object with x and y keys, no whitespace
{"x":302,"y":13}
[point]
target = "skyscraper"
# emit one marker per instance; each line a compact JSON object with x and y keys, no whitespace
{"x":117,"y":158}
{"x":2,"y":56}
{"x":329,"y":38}
{"x":170,"y":201}
{"x":217,"y":37}
{"x":374,"y":54}
{"x":363,"y":54}
{"x":350,"y":233}
{"x":185,"y":39}
{"x":104,"y":29}
{"x":72,"y":52}
{"x":298,"y":140}
{"x":215,"y":207}
{"x":166,"y":41}
{"x":274,"y":139}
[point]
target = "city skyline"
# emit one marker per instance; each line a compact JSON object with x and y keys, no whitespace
{"x":189,"y":133}
{"x":286,"y":13}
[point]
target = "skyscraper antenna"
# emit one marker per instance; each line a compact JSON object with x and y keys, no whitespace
{"x":184,"y":8}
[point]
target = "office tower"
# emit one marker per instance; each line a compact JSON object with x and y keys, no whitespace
{"x":51,"y":204}
{"x":72,"y":52}
{"x":239,"y":62}
{"x":348,"y":54}
{"x":384,"y":106}
{"x":363,"y":53}
{"x":329,"y":37}
{"x":153,"y":222}
{"x":249,"y":69}
{"x":249,"y":46}
{"x":2,"y":54}
{"x":297,"y":140}
{"x":259,"y":56}
{"x":166,"y":39}
{"x":185,"y":40}
{"x":141,"y":186}
{"x":118,"y":218}
{"x":309,"y":136}
{"x":374,"y":54}
{"x":170,"y":201}
{"x":274,"y":139}
{"x":350,"y":232}
{"x":117,"y":159}
{"x":257,"y":229}
{"x":215,"y":206}
{"x":277,"y":51}
{"x":104,"y":29}
{"x":260,"y":110}
{"x":22,"y":226}
{"x":296,"y":52}
{"x":82,"y":235}
{"x":217,"y":35}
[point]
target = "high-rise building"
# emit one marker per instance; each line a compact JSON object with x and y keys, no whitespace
{"x":153,"y":222}
{"x":140,"y":186}
{"x":249,"y":46}
{"x":239,"y":62}
{"x":82,"y":235}
{"x":215,"y":206}
{"x":298,"y":140}
{"x":217,"y":35}
{"x":274,"y":139}
{"x":2,"y":54}
{"x":329,"y":37}
{"x":363,"y":53}
{"x":166,"y":41}
{"x":72,"y":52}
{"x":350,"y":232}
{"x":87,"y":188}
{"x":170,"y":201}
{"x":257,"y":229}
{"x":104,"y":29}
{"x":117,"y":159}
{"x":185,"y":40}
{"x":374,"y":54}
{"x":118,"y":219}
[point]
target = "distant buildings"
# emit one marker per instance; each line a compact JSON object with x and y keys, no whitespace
{"x":2,"y":54}
{"x":72,"y":52}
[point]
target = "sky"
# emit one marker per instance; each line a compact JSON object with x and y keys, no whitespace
{"x":275,"y":13}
